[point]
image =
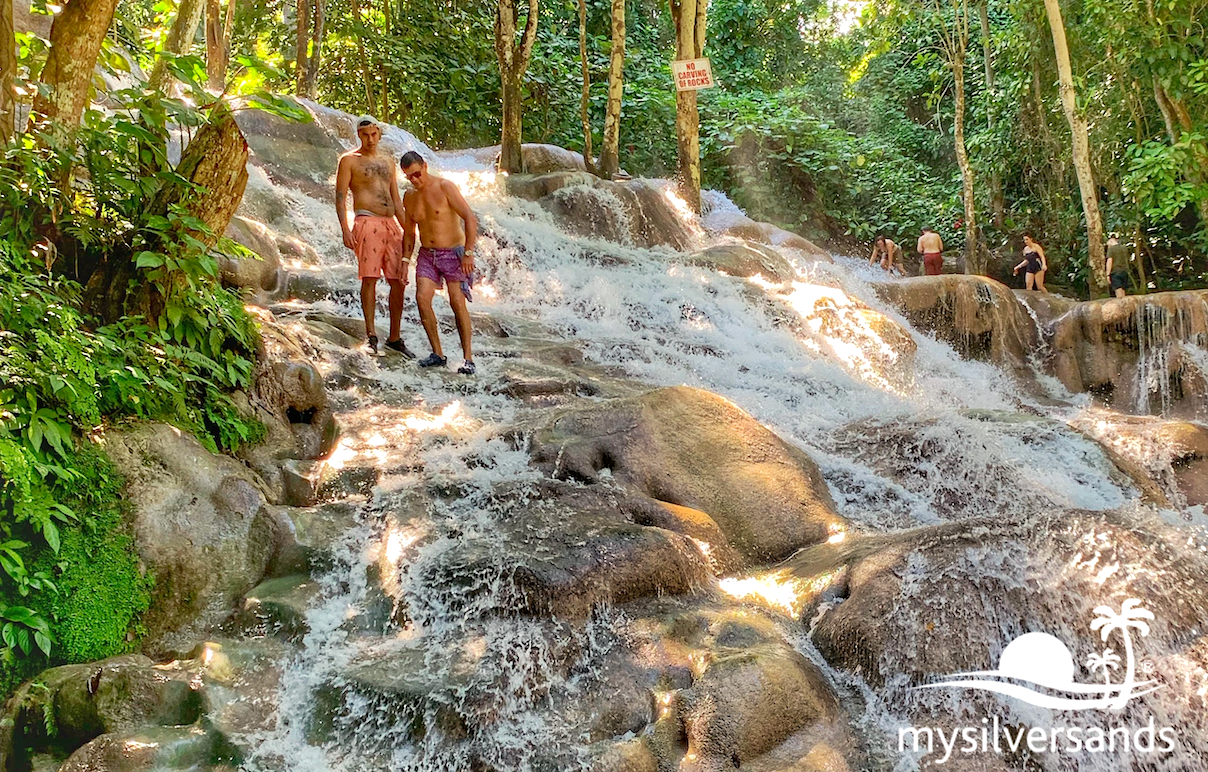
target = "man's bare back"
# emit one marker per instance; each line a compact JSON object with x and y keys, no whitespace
{"x":930,"y":243}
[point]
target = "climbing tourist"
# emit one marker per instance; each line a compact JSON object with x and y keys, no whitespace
{"x":1034,"y":264}
{"x":376,"y":236}
{"x":931,"y":247}
{"x":889,"y":253}
{"x":447,"y":231}
{"x":1117,"y":266}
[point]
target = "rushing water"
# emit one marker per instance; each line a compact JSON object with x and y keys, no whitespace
{"x":903,"y":439}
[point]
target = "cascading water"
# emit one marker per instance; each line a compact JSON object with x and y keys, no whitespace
{"x":905,"y":432}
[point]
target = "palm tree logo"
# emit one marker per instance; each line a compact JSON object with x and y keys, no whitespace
{"x":1038,"y":668}
{"x":1131,"y":617}
{"x":1108,"y":660}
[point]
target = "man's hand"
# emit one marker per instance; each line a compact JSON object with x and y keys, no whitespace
{"x":348,"y":240}
{"x":467,"y":263}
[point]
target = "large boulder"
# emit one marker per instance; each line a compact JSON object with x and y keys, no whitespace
{"x":930,"y":603}
{"x":979,"y":317}
{"x":1139,"y":354}
{"x":632,"y":212}
{"x":766,"y":233}
{"x":200,"y":524}
{"x":694,"y":449}
{"x":263,"y":275}
{"x":744,"y":259}
{"x":158,"y":749}
{"x":535,"y":158}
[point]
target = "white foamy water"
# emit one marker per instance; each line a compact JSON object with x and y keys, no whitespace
{"x":904,"y":438}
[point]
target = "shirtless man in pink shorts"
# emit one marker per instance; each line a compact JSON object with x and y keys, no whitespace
{"x":447,"y":232}
{"x":376,"y":235}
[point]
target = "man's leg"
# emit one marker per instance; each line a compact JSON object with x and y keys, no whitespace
{"x":369,"y":304}
{"x":396,"y":308}
{"x":461,"y":315}
{"x":424,"y":290}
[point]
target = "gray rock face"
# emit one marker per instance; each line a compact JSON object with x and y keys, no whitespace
{"x":200,"y":523}
{"x":263,"y":277}
{"x":981,"y":318}
{"x":1108,"y":347}
{"x":744,"y":260}
{"x":694,"y":449}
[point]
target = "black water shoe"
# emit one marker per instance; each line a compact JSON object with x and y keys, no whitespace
{"x":400,"y":347}
{"x":433,"y":360}
{"x":467,"y":369}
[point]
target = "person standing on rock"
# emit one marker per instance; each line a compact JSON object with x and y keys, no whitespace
{"x":890,"y":255}
{"x":447,"y":232}
{"x":1117,"y":266}
{"x":1034,"y":264}
{"x":376,"y":236}
{"x":931,"y":247}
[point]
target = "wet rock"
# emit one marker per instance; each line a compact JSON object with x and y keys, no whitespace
{"x":200,"y":524}
{"x":262,"y":276}
{"x":627,"y":756}
{"x":766,"y":233}
{"x":744,"y":260}
{"x":1138,"y":354}
{"x":695,"y":449}
{"x":535,"y":158}
{"x":1047,"y":306}
{"x":278,"y":607}
{"x":749,"y":702}
{"x":534,"y":187}
{"x":302,"y":155}
{"x":309,"y":286}
{"x":979,"y":317}
{"x":699,"y":527}
{"x":633,"y":212}
{"x":153,"y":749}
{"x":313,"y":532}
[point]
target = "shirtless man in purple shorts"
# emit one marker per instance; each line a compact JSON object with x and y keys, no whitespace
{"x":447,"y":231}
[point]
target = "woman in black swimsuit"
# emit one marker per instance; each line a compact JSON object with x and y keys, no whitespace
{"x":1034,"y":264}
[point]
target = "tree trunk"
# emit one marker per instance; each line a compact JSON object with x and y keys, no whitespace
{"x":218,"y":42}
{"x":370,"y":101}
{"x":974,"y":257}
{"x":316,"y":49}
{"x":1178,"y":122}
{"x":8,"y":71}
{"x":513,"y":63}
{"x":75,"y":42}
{"x":585,"y":99}
{"x":180,"y":40}
{"x":997,"y":204}
{"x":1081,"y":150}
{"x":510,"y":158}
{"x":610,"y":155}
{"x":689,"y":16}
{"x":301,"y":43}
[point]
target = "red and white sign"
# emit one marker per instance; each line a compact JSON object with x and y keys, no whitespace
{"x":692,"y":74}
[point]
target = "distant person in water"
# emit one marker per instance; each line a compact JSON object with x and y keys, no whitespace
{"x":1117,"y":266}
{"x":447,"y":232}
{"x":1034,"y":264}
{"x":376,"y":235}
{"x":888,"y":253}
{"x":931,"y":247}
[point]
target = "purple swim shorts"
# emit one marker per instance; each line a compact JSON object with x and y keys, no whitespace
{"x":443,"y":265}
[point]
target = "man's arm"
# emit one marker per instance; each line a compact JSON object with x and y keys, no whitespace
{"x":400,"y":212}
{"x":343,"y":177}
{"x":408,"y":227}
{"x":920,"y":244}
{"x":458,"y":202}
{"x":940,"y":239}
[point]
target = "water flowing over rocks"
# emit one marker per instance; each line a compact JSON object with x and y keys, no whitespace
{"x":714,"y":501}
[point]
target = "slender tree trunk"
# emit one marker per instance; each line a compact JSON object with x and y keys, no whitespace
{"x":316,"y":48}
{"x":610,"y":155}
{"x":997,"y":204}
{"x":1081,"y":150}
{"x":218,"y":41}
{"x":1178,"y":122}
{"x":513,"y":63}
{"x":585,"y":99}
{"x":8,"y":71}
{"x":1138,"y":261}
{"x":75,"y":42}
{"x":180,"y":40}
{"x":974,"y":258}
{"x":689,"y":16}
{"x":366,"y":76}
{"x":301,"y":43}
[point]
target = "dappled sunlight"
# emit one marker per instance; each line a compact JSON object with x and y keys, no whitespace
{"x":422,"y":422}
{"x":778,"y":591}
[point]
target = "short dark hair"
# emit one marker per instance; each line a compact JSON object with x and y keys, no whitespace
{"x":928,"y":229}
{"x":411,"y":158}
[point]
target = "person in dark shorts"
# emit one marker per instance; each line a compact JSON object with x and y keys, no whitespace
{"x":931,"y":247}
{"x":1034,"y":264}
{"x":447,"y":232}
{"x":1117,"y":266}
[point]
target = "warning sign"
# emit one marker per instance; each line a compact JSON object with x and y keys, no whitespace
{"x":692,"y":74}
